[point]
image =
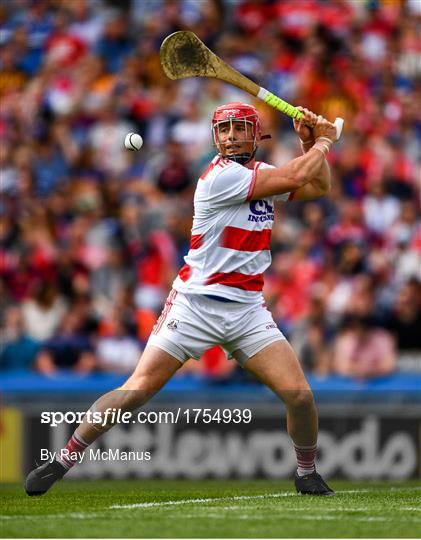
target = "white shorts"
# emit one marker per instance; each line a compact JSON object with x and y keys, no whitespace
{"x":190,"y":324}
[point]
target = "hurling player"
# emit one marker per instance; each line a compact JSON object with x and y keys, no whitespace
{"x":217,"y":298}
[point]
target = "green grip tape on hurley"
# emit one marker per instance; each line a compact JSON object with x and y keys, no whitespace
{"x":281,"y":105}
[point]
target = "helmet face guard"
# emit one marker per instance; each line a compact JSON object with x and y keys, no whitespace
{"x":237,"y":112}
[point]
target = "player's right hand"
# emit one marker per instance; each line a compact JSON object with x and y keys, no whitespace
{"x":304,"y":126}
{"x":324,"y":128}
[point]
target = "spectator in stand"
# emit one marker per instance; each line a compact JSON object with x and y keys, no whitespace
{"x":118,"y":352}
{"x":9,"y":179}
{"x":293,"y":273}
{"x":174,"y":175}
{"x":43,"y":311}
{"x":109,"y":279}
{"x":6,"y":299}
{"x":380,"y":209}
{"x":68,"y":349}
{"x":252,"y":16}
{"x":363,"y":351}
{"x":406,"y":225}
{"x":315,"y":357}
{"x":407,"y":258}
{"x":115,"y":44}
{"x":38,"y":21}
{"x":12,"y":77}
{"x":155,"y":269}
{"x":191,"y":133}
{"x":17,"y":350}
{"x":351,"y":168}
{"x":105,"y":137}
{"x":62,"y":49}
{"x":87,"y":21}
{"x":313,"y":335}
{"x":404,"y":240}
{"x":19,"y":277}
{"x":405,"y":319}
{"x":350,"y":227}
{"x":361,"y":300}
{"x":49,"y":166}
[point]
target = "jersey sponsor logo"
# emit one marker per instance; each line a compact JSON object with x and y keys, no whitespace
{"x":261,"y":210}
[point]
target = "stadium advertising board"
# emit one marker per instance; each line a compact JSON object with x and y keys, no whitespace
{"x":364,"y":447}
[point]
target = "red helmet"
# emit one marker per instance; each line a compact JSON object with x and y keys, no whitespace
{"x":237,"y":111}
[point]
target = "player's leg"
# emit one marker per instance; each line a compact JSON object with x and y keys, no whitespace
{"x":277,"y":366}
{"x":154,"y":369}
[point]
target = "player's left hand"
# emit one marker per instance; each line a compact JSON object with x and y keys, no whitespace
{"x":303,"y":130}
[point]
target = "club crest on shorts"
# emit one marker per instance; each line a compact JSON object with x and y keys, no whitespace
{"x":173,"y":324}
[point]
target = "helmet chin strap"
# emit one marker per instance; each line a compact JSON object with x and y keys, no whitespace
{"x":242,"y":159}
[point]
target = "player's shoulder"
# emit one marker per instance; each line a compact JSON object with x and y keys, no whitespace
{"x":224,"y":164}
{"x":219,"y":165}
{"x":263,"y":165}
{"x":221,"y":168}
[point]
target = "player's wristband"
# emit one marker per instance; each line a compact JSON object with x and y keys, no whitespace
{"x":329,"y":141}
{"x":323,"y":144}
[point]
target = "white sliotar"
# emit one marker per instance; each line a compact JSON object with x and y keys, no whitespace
{"x":133,"y":141}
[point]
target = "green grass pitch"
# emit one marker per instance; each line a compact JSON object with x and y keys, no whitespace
{"x":211,"y":509}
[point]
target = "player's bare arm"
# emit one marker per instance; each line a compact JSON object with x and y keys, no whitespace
{"x":307,"y":176}
{"x":320,"y":185}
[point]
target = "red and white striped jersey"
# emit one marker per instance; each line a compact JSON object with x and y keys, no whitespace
{"x":229,"y":247}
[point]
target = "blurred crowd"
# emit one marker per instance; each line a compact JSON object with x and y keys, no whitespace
{"x":92,"y":235}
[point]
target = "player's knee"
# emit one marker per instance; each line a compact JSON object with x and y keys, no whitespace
{"x":142,"y":388}
{"x":301,"y":399}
